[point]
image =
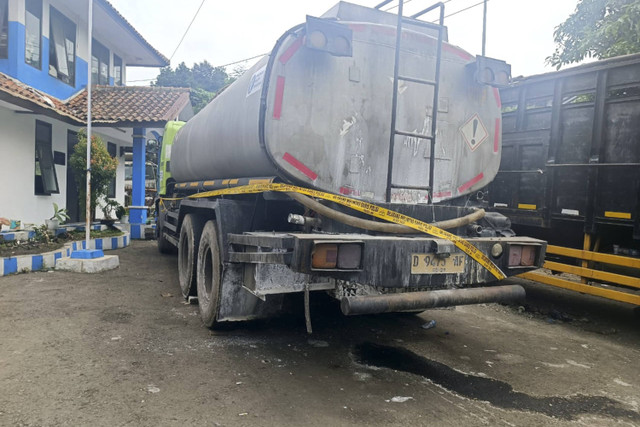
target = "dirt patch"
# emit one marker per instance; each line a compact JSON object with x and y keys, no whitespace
{"x":114,"y":349}
{"x":15,"y":248}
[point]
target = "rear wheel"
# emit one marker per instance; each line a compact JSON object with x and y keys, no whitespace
{"x":209,"y":275}
{"x":163,"y":244}
{"x":190,"y":233}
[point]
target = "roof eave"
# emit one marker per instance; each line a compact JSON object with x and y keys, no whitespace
{"x":39,"y":109}
{"x":178,"y":106}
{"x":163,"y":61}
{"x":130,"y":124}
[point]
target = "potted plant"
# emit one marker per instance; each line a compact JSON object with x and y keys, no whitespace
{"x":110,"y":207}
{"x":123,"y":214}
{"x":103,"y":170}
{"x":60,"y":215}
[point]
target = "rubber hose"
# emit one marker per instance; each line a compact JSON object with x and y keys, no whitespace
{"x":382,"y":227}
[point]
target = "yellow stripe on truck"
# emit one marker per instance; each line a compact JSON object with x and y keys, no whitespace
{"x":619,"y":215}
{"x":367,"y":208}
{"x":527,"y":206}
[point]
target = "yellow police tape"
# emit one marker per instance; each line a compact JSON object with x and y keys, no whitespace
{"x":367,"y":208}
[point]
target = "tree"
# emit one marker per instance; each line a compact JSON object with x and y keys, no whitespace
{"x":200,"y":98}
{"x":103,"y":169}
{"x":207,"y":77}
{"x":204,"y":79}
{"x":597,"y":29}
{"x":237,"y":71}
{"x":180,"y":77}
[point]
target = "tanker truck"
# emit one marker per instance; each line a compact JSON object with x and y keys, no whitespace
{"x":347,"y":161}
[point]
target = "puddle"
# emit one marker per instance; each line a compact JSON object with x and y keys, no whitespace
{"x":498,"y":393}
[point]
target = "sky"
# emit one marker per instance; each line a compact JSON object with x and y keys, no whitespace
{"x":518,"y":31}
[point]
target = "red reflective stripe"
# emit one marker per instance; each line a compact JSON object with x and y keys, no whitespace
{"x":442,"y":194}
{"x":456,"y":51}
{"x":349,"y":191}
{"x":357,"y":27}
{"x":277,"y":103}
{"x":469,"y":183}
{"x":300,"y":166}
{"x":496,"y":95}
{"x":496,"y":137}
{"x":286,"y":56}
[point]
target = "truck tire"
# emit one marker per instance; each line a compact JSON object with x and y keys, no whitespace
{"x":209,"y":275}
{"x":188,"y":254}
{"x":163,"y":244}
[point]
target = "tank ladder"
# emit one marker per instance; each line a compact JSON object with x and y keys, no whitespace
{"x":413,"y":19}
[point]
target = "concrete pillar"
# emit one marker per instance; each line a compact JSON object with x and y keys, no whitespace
{"x":138,"y":210}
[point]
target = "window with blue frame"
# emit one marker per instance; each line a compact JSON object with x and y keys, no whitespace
{"x":4,"y":29}
{"x":113,"y":152}
{"x":33,"y":33}
{"x":62,"y":49}
{"x":46,"y":181}
{"x":99,"y":63}
{"x":117,"y":70}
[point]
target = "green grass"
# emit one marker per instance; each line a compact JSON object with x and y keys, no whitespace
{"x":95,"y":234}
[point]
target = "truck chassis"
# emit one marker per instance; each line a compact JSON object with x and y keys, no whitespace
{"x":241,"y":254}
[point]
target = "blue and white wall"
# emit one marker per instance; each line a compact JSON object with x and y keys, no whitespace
{"x":17,"y":165}
{"x":16,"y":67}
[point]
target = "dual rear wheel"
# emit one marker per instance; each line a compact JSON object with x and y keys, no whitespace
{"x":209,"y":275}
{"x":199,"y":266}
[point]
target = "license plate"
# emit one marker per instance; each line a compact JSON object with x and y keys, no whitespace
{"x":432,"y":264}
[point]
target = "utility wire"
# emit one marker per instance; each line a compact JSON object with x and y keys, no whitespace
{"x":242,"y":60}
{"x":409,"y":1}
{"x":444,"y":2}
{"x":465,"y":9}
{"x":263,"y":54}
{"x":393,"y":7}
{"x":188,"y":28}
{"x":217,"y":66}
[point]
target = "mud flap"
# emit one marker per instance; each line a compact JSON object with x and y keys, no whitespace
{"x":237,"y":303}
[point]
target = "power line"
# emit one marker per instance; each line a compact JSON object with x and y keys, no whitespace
{"x":263,"y":54}
{"x":409,"y":1}
{"x":393,"y":7}
{"x":242,"y":60}
{"x":465,"y":9}
{"x":217,"y":66}
{"x":188,"y":28}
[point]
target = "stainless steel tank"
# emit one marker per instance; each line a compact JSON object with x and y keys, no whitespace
{"x":323,"y":120}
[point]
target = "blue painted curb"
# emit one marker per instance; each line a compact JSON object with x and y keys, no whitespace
{"x":47,"y":260}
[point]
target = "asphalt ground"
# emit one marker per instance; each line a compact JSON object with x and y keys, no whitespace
{"x":123,"y":348}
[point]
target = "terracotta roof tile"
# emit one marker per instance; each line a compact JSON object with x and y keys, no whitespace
{"x":24,"y":92}
{"x":110,"y":104}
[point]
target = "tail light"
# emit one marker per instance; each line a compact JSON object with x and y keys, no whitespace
{"x":490,"y":71}
{"x":522,"y":255}
{"x":329,"y":36}
{"x":336,"y":256}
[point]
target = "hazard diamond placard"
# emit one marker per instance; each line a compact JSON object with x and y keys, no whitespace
{"x":474,"y":132}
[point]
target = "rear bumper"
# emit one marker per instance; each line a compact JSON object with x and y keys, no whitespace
{"x":387,"y":261}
